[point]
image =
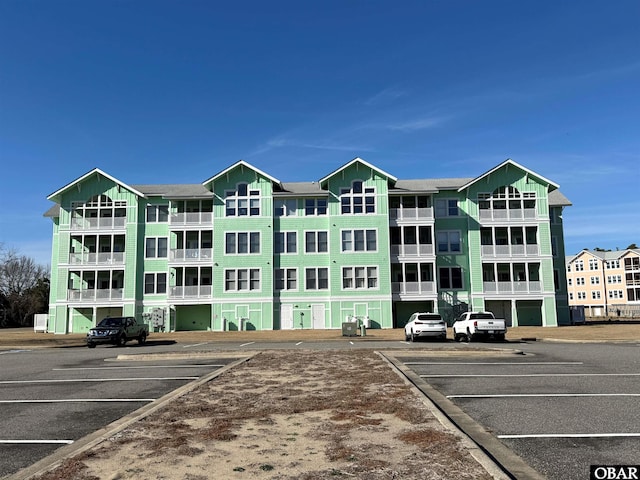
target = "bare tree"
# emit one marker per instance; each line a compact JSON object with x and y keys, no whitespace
{"x":23,"y":285}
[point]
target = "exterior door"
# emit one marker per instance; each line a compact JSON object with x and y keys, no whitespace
{"x":286,"y":317}
{"x":317,"y":316}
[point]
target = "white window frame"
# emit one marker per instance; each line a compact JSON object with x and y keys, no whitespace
{"x":580,"y":281}
{"x":285,"y":243}
{"x":351,"y":240}
{"x":570,"y":282}
{"x":251,"y":278}
{"x":285,"y":207}
{"x":238,"y":236}
{"x":313,"y":207}
{"x":446,"y":207}
{"x":579,"y":266}
{"x":582,"y":295}
{"x":316,"y":241}
{"x":358,"y":199}
{"x":155,"y":283}
{"x":157,"y":214}
{"x":316,"y":278}
{"x":595,"y":295}
{"x":153,"y":251}
{"x":595,"y":280}
{"x":593,"y":264}
{"x":449,"y":244}
{"x":570,"y":295}
{"x":239,"y":204}
{"x":360,"y":278}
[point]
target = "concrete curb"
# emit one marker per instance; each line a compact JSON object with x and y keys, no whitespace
{"x":499,"y":456}
{"x":91,"y":440}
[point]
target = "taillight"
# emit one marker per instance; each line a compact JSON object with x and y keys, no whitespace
{"x":475,"y":324}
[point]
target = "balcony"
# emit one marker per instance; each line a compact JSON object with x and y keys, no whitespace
{"x":505,"y":214}
{"x":412,"y":250}
{"x":510,"y":250}
{"x":192,"y":291}
{"x":111,"y":258}
{"x":192,"y":218}
{"x":408,"y":213}
{"x":191,"y":255}
{"x":413,"y":288}
{"x":95,"y":295}
{"x":94,"y":223}
{"x":512,"y":287}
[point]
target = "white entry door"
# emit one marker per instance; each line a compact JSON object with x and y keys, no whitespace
{"x":286,"y":317}
{"x":317,"y":316}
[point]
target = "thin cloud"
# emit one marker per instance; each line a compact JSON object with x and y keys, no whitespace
{"x":385,"y":96}
{"x":418,"y":124}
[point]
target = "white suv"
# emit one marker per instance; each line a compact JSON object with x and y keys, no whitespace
{"x":425,"y":325}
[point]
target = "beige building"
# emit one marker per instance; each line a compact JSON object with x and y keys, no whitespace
{"x":606,"y":284}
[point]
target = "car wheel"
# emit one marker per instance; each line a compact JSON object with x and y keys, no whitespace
{"x":414,"y":337}
{"x":406,"y":337}
{"x":122,"y":339}
{"x":142,"y":339}
{"x":91,"y":345}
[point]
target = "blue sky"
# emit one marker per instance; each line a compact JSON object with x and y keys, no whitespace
{"x":175,"y":91}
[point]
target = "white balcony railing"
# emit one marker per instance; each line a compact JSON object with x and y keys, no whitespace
{"x":512,"y":287}
{"x":425,"y":213}
{"x":411,"y":250}
{"x":413,"y":288}
{"x":191,"y":255}
{"x":111,"y":258}
{"x":192,"y":218}
{"x":104,"y":223}
{"x":191,"y":291}
{"x":510,"y":250}
{"x":95,"y":295}
{"x":508,"y":214}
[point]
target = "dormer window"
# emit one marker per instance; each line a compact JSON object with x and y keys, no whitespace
{"x":242,"y":201}
{"x":358,"y":199}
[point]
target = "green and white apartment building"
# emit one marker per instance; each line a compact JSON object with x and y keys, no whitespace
{"x":245,"y":251}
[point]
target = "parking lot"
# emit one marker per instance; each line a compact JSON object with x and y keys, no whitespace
{"x":560,"y":406}
{"x":53,"y":397}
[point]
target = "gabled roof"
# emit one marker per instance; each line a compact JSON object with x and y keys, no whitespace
{"x":507,"y":163}
{"x":189,"y":190}
{"x":95,"y":171}
{"x":363,"y":162}
{"x":243,"y":164}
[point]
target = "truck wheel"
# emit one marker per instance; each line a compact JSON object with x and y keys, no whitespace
{"x":91,"y":345}
{"x":142,"y":339}
{"x":122,"y":339}
{"x":469,"y":336}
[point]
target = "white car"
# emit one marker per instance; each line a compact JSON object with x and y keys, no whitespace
{"x":421,"y":325}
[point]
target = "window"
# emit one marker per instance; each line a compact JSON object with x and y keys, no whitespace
{"x":359,"y":278}
{"x":582,"y":296}
{"x":579,"y":266}
{"x":593,"y":264}
{"x":570,"y":295}
{"x":242,"y":279}
{"x":595,"y":280}
{"x":359,"y":241}
{"x":286,"y":242}
{"x":286,"y":279}
{"x":569,"y":267}
{"x":156,"y":248}
{"x":615,"y":293}
{"x":595,"y":295}
{"x":157,"y":213}
{"x":285,"y":208}
{"x":242,"y":242}
{"x":447,"y":207}
{"x":358,"y":199}
{"x":614,"y":278}
{"x":448,"y":242}
{"x":315,"y":206}
{"x":569,"y":282}
{"x":316,"y":242}
{"x":450,"y":278}
{"x":155,"y":283}
{"x":317,"y":278}
{"x":580,"y":281}
{"x":242,"y":202}
{"x":610,"y":264}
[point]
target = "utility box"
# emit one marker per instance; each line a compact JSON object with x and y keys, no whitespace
{"x":349,"y":329}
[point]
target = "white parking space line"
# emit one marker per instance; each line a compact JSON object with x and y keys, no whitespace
{"x":536,"y":375}
{"x":13,"y":351}
{"x":571,"y":435}
{"x":125,"y":367}
{"x":37,"y":442}
{"x":195,"y":345}
{"x":82,"y":400}
{"x":79,"y":380}
{"x":528,"y":395}
{"x":299,"y":343}
{"x":494,"y":363}
{"x":245,"y":344}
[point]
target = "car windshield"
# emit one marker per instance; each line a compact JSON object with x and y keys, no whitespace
{"x":110,"y":322}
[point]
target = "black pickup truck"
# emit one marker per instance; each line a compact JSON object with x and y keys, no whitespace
{"x":118,"y":331}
